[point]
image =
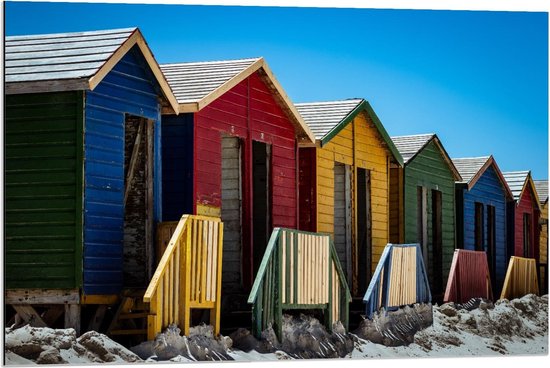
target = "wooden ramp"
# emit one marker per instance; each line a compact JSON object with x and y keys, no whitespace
{"x":299,"y":270}
{"x":400,"y":279}
{"x":188,"y":275}
{"x":469,"y":277}
{"x":521,"y":278}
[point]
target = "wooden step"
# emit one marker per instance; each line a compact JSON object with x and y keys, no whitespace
{"x":133,"y":315}
{"x":129,"y":332}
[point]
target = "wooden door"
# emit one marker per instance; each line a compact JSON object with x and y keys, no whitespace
{"x":364,"y":230}
{"x":261,"y":201}
{"x":437,"y":242}
{"x":231,"y":211}
{"x":342,"y":217}
{"x":138,"y":202}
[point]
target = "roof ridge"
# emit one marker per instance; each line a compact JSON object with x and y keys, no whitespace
{"x":210,"y":61}
{"x":359,"y":99}
{"x":472,"y":158}
{"x":75,"y":33}
{"x":413,"y":135}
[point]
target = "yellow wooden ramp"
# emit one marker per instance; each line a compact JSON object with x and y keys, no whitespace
{"x":188,"y":275}
{"x":521,"y":278}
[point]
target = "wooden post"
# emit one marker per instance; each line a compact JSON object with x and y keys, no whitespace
{"x":187,"y":308}
{"x":72,"y":317}
{"x":215,"y":312}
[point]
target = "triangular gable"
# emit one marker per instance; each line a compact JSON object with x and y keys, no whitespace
{"x":197,"y":84}
{"x":329,"y":118}
{"x":73,"y":61}
{"x":542,"y":190}
{"x":478,"y":166}
{"x":525,"y":181}
{"x":410,"y":146}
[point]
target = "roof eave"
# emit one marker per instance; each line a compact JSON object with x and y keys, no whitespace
{"x":42,"y":86}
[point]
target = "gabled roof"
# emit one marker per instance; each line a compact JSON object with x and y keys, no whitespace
{"x":472,"y":168}
{"x":542,"y":190}
{"x":72,"y":61}
{"x":518,"y":181}
{"x":327,"y":119}
{"x":411,"y":145}
{"x":197,"y":84}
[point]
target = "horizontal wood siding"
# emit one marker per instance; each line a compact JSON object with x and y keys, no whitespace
{"x":526,"y":205}
{"x":128,"y":89}
{"x":43,"y":190}
{"x":248,"y":111}
{"x":429,"y":169}
{"x":489,"y":191}
{"x":396,"y":204}
{"x":177,"y":166}
{"x":360,"y":146}
{"x":372,"y":154}
{"x":544,"y":235}
{"x":307,"y":189}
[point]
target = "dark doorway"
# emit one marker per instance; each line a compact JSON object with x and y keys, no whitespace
{"x":231,"y":212}
{"x":437,"y":242}
{"x":527,"y":235}
{"x":261,"y":188}
{"x":422,"y":222}
{"x":342,"y":216}
{"x":479,"y":227}
{"x":364,"y":230}
{"x":491,"y":242}
{"x":138,"y":201}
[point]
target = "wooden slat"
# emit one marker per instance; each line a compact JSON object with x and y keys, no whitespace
{"x":284,"y":271}
{"x":215,"y":254}
{"x":208,"y":259}
{"x":204,"y":261}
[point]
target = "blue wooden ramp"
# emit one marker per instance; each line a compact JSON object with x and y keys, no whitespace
{"x":400,"y":279}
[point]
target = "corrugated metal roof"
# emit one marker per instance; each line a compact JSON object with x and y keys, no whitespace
{"x":542,"y":190}
{"x":468,"y":167}
{"x":409,"y":145}
{"x":60,"y":55}
{"x":193,"y":81}
{"x":516,"y":181}
{"x":322,"y":117}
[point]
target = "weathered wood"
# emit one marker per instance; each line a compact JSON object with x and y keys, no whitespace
{"x":188,"y":276}
{"x":97,"y":319}
{"x":41,"y":296}
{"x":149,"y":169}
{"x":29,"y":315}
{"x":72,"y":317}
{"x":312,"y":286}
{"x":133,"y":160}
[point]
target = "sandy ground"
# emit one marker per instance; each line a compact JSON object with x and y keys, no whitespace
{"x":517,"y":327}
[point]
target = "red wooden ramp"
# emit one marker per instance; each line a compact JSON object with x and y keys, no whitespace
{"x":469,"y":277}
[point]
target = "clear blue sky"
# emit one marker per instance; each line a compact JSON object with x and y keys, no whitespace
{"x":477,"y":79}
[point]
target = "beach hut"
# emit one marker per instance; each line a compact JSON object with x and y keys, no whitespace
{"x":481,"y":199}
{"x":82,"y":145}
{"x":542,"y":190}
{"x":424,"y":210}
{"x":232,"y":152}
{"x":523,"y":216}
{"x":344,"y":186}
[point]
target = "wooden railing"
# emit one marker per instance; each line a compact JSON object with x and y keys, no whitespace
{"x":521,"y":278}
{"x":187,"y":276}
{"x":299,"y":270}
{"x":469,"y":277}
{"x":400,"y":279}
